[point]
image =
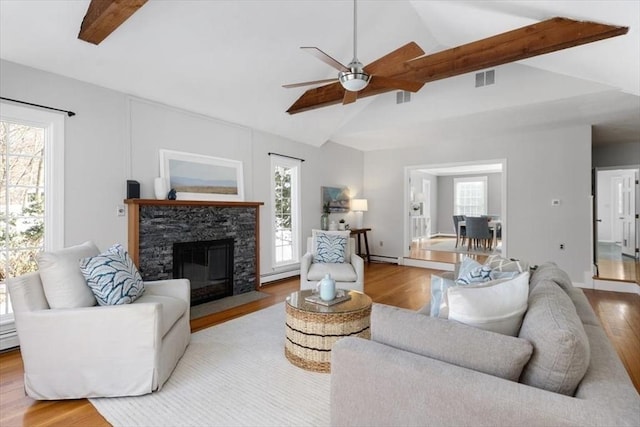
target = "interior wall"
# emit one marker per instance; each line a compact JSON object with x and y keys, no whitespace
{"x":95,"y":149}
{"x":417,"y":178}
{"x":623,"y":154}
{"x":445,"y":198}
{"x":540,"y":166}
{"x":115,"y":137}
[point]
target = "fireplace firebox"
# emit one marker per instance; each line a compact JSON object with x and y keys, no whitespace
{"x":208,"y":265}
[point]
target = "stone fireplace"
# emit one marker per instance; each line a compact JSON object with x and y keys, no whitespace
{"x":208,"y":265}
{"x":218,"y":242}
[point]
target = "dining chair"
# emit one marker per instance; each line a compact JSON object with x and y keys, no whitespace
{"x":460,"y":237}
{"x":478,"y":232}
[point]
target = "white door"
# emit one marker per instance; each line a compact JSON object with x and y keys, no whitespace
{"x":617,"y":209}
{"x":627,"y":209}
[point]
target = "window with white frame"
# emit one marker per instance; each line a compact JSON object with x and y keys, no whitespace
{"x":470,"y":196}
{"x":31,"y":196}
{"x":285,"y":198}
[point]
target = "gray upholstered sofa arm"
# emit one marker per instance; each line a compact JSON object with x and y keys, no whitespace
{"x":374,"y":384}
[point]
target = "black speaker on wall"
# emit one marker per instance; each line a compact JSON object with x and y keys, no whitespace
{"x":133,"y":189}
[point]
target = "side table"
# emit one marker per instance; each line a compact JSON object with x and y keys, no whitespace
{"x":362,"y":232}
{"x":312,"y":329}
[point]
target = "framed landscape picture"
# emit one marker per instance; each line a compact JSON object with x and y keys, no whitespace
{"x":337,"y":198}
{"x":199,"y":177}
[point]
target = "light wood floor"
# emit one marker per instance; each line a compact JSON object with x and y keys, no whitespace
{"x":405,"y":287}
{"x":626,"y":270}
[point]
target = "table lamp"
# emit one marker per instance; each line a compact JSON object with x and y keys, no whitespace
{"x":359,"y":206}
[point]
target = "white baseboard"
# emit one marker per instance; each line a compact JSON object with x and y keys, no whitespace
{"x":433,"y":265}
{"x":616,"y":286}
{"x":9,"y":340}
{"x":267,"y":278}
{"x":388,"y":259}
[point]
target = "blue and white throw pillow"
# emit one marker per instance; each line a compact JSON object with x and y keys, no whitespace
{"x":113,"y":277}
{"x":472,"y":271}
{"x":329,"y":248}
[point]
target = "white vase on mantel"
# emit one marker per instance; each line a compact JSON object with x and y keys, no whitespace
{"x":160,"y":188}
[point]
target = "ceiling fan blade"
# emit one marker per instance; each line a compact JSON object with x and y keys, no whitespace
{"x":392,"y":83}
{"x":393,"y":62}
{"x":315,"y":82}
{"x":537,"y":39}
{"x":325,"y":58}
{"x":349,"y":97}
{"x":318,"y":97}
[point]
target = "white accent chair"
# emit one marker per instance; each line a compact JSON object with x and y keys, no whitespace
{"x":348,"y":275}
{"x":100,"y":351}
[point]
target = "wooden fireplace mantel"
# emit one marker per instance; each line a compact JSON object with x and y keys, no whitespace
{"x":134,"y":219}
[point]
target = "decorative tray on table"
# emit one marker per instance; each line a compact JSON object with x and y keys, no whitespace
{"x":341,"y":296}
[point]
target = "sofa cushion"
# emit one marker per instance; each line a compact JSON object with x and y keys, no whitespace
{"x":340,"y":272}
{"x":561,"y":350}
{"x":494,"y":354}
{"x":62,"y":281}
{"x":330,"y":246}
{"x":113,"y":277}
{"x":496,"y":306}
{"x":172,"y":309}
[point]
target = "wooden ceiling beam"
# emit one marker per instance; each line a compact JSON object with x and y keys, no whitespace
{"x":537,"y":39}
{"x":104,"y":16}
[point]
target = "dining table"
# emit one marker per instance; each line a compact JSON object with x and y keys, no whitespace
{"x":494,"y":225}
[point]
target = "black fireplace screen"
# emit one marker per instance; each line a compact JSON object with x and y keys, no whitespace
{"x":208,"y":265}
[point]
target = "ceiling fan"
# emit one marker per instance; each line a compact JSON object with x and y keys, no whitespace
{"x":354,"y":77}
{"x":406,"y":68}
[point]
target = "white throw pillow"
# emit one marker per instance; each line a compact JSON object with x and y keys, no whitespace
{"x":497,"y":306}
{"x":331,"y":246}
{"x":62,"y":281}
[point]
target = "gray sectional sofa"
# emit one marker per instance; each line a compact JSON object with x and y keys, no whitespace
{"x":560,"y":370}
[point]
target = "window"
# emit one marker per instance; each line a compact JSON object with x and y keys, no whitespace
{"x":470,"y":196}
{"x":285,"y":197}
{"x":31,"y":196}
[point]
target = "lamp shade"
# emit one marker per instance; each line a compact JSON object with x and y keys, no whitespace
{"x":359,"y":205}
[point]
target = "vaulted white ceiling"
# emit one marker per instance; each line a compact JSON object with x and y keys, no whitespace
{"x":229,"y":59}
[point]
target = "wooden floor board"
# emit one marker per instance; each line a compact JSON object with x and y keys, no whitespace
{"x":406,"y":287}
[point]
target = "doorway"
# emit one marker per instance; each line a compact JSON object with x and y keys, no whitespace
{"x":616,"y":226}
{"x":430,"y":234}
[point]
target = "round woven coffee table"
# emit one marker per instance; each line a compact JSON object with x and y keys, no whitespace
{"x":311,"y":329}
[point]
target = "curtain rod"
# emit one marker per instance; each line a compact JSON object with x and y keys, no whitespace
{"x":69,"y":113}
{"x":289,"y":157}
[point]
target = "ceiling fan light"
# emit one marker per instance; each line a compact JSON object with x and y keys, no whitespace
{"x":354,"y":81}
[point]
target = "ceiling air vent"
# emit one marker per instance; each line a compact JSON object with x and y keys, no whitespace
{"x":485,"y":78}
{"x":403,"y":96}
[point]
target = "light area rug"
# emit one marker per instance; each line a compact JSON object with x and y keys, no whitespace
{"x":226,"y":303}
{"x":232,"y":374}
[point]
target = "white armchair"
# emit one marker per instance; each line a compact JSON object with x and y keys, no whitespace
{"x":348,"y":275}
{"x":100,"y":351}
